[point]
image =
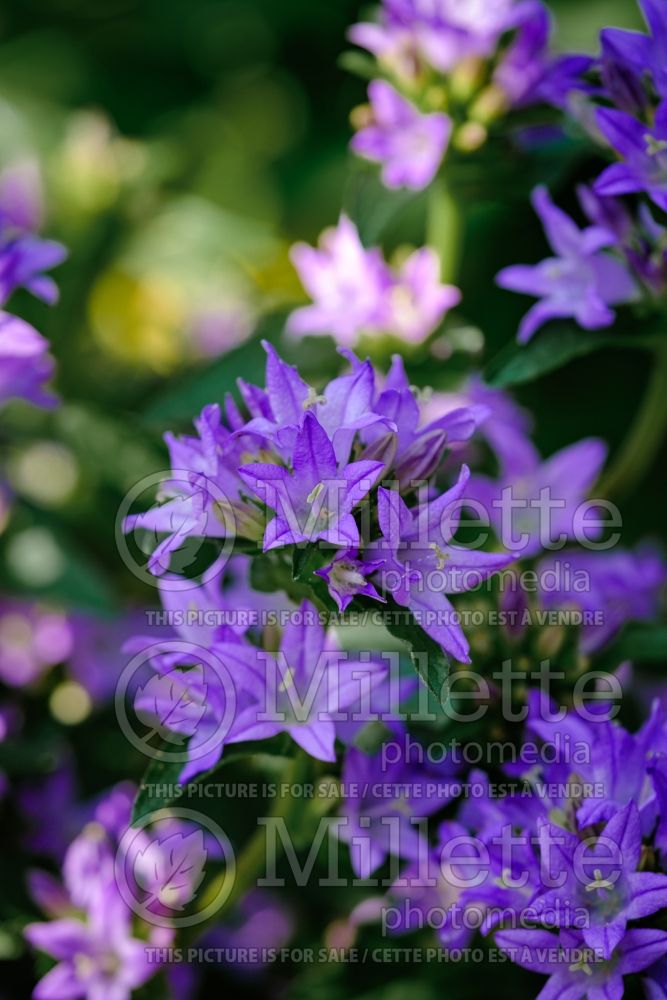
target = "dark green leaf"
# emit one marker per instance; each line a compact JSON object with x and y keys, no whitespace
{"x":428,"y":657}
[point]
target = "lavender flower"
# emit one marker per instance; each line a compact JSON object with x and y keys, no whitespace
{"x":631,"y":55}
{"x":97,"y":958}
{"x":575,"y":970}
{"x":409,"y":145}
{"x":644,"y":153}
{"x":620,"y":585}
{"x":25,"y":364}
{"x":539,"y":508}
{"x":355,"y":291}
{"x":581,"y":282}
{"x":418,"y":300}
{"x":306,"y":685}
{"x":422,"y":565}
{"x":381,"y":802}
{"x":348,"y":283}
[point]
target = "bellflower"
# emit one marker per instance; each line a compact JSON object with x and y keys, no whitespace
{"x":644,"y":155}
{"x":97,"y":959}
{"x":25,"y":364}
{"x":418,"y":300}
{"x":380,"y":802}
{"x":409,"y":145}
{"x":581,"y":282}
{"x":355,"y":292}
{"x":636,"y":54}
{"x":574,"y":969}
{"x":346,"y":576}
{"x":314,"y":502}
{"x":621,"y":585}
{"x":538,"y":507}
{"x":605,"y":881}
{"x":348,"y":284}
{"x":422,"y":565}
{"x":305,"y":686}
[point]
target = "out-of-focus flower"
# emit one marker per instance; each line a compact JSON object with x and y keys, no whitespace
{"x":531,"y":509}
{"x":581,"y":282}
{"x":348,"y":284}
{"x":32,"y":639}
{"x":355,"y":292}
{"x":409,"y":145}
{"x":25,"y":364}
{"x":619,"y":585}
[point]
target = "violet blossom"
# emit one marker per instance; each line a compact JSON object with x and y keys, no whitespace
{"x":409,"y":145}
{"x":581,"y":282}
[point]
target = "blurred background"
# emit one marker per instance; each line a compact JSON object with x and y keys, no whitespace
{"x":183,"y":146}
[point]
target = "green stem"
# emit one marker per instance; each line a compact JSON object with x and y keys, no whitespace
{"x":445,"y":228}
{"x":645,"y":436}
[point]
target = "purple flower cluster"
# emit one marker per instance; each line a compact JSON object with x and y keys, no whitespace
{"x":563,"y":859}
{"x":622,"y":254}
{"x":436,"y":53}
{"x":302,"y":467}
{"x":90,"y":929}
{"x":355,"y":292}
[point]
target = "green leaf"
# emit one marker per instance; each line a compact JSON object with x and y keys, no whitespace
{"x":370,"y":205}
{"x":428,"y":657}
{"x":640,"y":643}
{"x":160,"y":785}
{"x":554,"y":347}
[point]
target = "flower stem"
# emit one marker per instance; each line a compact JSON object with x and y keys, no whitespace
{"x":645,"y":436}
{"x":445,"y":228}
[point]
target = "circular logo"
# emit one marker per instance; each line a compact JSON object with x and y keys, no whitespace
{"x":166,"y":868}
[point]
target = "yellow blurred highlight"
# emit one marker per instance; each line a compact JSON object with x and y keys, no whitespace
{"x":70,"y":703}
{"x":140,"y":320}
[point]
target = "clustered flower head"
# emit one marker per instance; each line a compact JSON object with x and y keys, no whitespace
{"x":621,"y":257}
{"x":447,"y":72}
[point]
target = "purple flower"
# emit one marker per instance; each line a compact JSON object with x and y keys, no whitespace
{"x":346,"y":576}
{"x":23,"y":261}
{"x":409,"y":145}
{"x":644,"y":153}
{"x":419,"y":447}
{"x":576,"y":970}
{"x":630,"y":55}
{"x":422,"y":565}
{"x":603,"y":882}
{"x":305,"y":686}
{"x":506,"y":426}
{"x":528,"y":73}
{"x":418,"y":300}
{"x":620,"y":585}
{"x":541,"y":507}
{"x":25,"y":364}
{"x":98,"y":959}
{"x":315,"y":501}
{"x":32,"y":639}
{"x":380,"y":804}
{"x":355,"y":291}
{"x":582,"y":282}
{"x":348,"y":284}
